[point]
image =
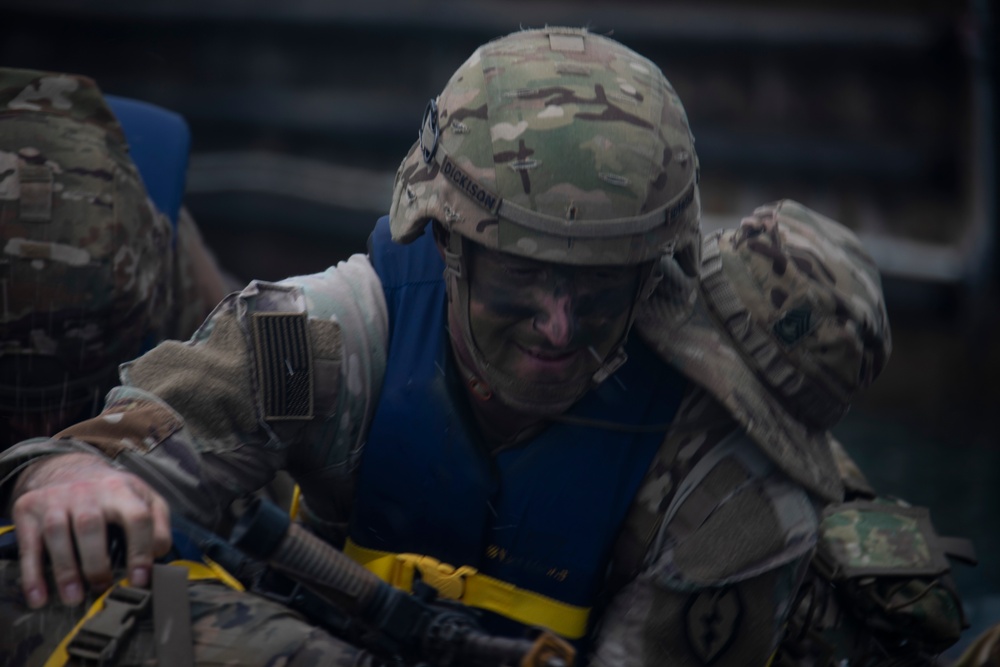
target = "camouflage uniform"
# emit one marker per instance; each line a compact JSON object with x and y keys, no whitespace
{"x":723,"y":528}
{"x":787,"y":325}
{"x":91,"y":270}
{"x":229,"y":627}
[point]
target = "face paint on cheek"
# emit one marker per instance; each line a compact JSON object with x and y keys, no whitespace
{"x":493,"y":313}
{"x":604,"y":313}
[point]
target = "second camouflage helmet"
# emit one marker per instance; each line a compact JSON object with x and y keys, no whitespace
{"x":86,"y":258}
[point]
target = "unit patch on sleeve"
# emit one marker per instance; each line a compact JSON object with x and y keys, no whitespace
{"x":284,"y":365}
{"x":711,"y":621}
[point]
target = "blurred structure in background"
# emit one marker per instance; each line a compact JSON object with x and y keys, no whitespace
{"x":877,"y":113}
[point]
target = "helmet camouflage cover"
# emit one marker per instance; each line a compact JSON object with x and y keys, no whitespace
{"x":86,"y":258}
{"x":557,"y":145}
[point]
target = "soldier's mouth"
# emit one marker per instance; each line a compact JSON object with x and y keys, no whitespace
{"x":549,"y":356}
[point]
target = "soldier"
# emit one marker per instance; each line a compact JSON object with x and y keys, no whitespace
{"x":92,"y":272}
{"x":643,"y":495}
{"x":789,"y":285}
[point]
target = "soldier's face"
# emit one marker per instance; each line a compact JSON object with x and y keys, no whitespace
{"x":543,"y":322}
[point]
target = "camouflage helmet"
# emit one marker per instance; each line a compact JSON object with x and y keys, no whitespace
{"x":804,"y":301}
{"x":86,"y":258}
{"x":557,"y":145}
{"x":560,"y":146}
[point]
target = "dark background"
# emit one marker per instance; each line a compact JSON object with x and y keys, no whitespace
{"x":879,"y":114}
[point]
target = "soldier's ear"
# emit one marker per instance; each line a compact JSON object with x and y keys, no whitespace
{"x":441,"y":237}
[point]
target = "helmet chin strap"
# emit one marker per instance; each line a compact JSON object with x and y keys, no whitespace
{"x":487,"y":381}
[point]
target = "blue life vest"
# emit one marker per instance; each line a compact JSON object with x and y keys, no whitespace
{"x":159,"y":142}
{"x":543,"y":515}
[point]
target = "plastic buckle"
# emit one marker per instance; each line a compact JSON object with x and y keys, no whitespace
{"x":100,"y":636}
{"x":448,"y":580}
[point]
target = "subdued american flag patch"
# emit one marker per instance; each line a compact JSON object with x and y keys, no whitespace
{"x":284,"y":365}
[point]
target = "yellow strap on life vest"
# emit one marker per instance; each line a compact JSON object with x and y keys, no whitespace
{"x":209,"y":570}
{"x":6,"y":529}
{"x":293,"y":511}
{"x":473,"y":588}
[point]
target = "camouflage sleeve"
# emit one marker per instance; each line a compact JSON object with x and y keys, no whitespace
{"x":282,"y":375}
{"x":723,"y":570}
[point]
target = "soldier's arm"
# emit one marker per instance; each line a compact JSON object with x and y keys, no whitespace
{"x":720,"y":577}
{"x":280,"y":375}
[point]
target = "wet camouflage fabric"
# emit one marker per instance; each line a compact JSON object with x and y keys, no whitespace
{"x":889,"y":563}
{"x":201,"y":454}
{"x":878,"y":587}
{"x":553,"y":144}
{"x":712,"y":552}
{"x":865,"y":539}
{"x":92,"y":272}
{"x":760,"y":351}
{"x":677,"y":324}
{"x":228,"y":627}
{"x":86,"y":258}
{"x":803,"y":300}
{"x":906,"y":620}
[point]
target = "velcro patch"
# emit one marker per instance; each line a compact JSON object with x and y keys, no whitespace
{"x":137,"y":426}
{"x":36,"y":193}
{"x":284,"y":365}
{"x":566,"y":43}
{"x":711,"y":622}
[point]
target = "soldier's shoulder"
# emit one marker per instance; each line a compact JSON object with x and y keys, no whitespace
{"x":734,"y":515}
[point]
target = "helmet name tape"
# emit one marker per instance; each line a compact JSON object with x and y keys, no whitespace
{"x":475,"y":191}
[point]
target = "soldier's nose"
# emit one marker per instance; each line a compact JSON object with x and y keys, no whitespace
{"x":555,"y":320}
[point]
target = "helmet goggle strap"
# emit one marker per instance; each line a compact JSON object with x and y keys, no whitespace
{"x":486,"y":380}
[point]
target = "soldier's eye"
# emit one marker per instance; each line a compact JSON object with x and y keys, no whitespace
{"x":522,"y":271}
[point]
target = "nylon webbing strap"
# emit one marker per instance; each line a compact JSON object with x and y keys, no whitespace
{"x":474,"y":589}
{"x":172,"y":617}
{"x":36,"y":193}
{"x":102,"y":633}
{"x":190,"y":570}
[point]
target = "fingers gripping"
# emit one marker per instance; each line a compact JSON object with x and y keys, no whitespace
{"x":50,"y":519}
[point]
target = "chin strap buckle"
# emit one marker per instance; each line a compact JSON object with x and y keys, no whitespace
{"x":610,"y":365}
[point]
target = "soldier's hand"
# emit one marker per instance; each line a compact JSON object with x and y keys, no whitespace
{"x":63,"y":505}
